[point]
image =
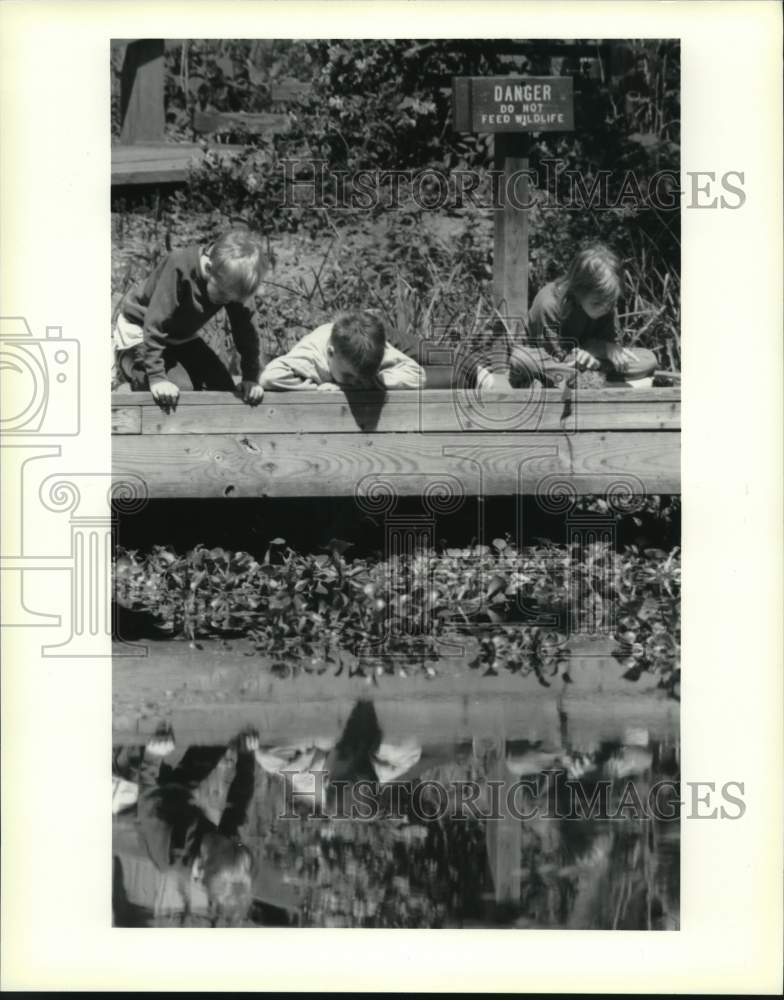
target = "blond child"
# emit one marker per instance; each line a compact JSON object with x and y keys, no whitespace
{"x":156,"y":334}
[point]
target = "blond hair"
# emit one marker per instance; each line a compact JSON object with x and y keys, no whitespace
{"x":238,"y":262}
{"x":228,"y":878}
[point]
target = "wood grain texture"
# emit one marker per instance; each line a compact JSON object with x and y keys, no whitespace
{"x":256,"y":123}
{"x":160,"y":163}
{"x":270,"y":465}
{"x":428,"y":411}
{"x":510,"y":253}
{"x":599,"y":460}
{"x":126,"y":420}
{"x":281,"y":465}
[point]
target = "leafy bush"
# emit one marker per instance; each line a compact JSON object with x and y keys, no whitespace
{"x":401,"y":872}
{"x":378,"y":873}
{"x":386,"y":104}
{"x":385,"y":616}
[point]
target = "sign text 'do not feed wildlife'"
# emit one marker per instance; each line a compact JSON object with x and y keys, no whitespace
{"x":513,"y":104}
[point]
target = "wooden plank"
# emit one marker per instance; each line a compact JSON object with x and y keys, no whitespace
{"x":159,"y":172}
{"x":601,"y":459}
{"x":504,"y":840}
{"x":141,"y":92}
{"x":275,"y":465}
{"x":163,"y":163}
{"x":211,"y":693}
{"x":510,"y":253}
{"x":663,"y":395}
{"x":156,"y":151}
{"x":519,"y":713}
{"x":410,"y":417}
{"x":461,"y":103}
{"x":597,"y":718}
{"x":288,"y":91}
{"x":413,"y":412}
{"x":126,"y":420}
{"x":223,"y":121}
{"x":281,"y":465}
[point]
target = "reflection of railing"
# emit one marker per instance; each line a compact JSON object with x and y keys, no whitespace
{"x":231,"y":690}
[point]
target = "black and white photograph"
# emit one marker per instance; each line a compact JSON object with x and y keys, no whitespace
{"x":391,"y":497}
{"x":396,"y":377}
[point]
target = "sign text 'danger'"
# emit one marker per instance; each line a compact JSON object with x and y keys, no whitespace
{"x":514,"y":104}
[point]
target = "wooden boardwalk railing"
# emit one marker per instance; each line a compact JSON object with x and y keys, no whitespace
{"x":329,"y":444}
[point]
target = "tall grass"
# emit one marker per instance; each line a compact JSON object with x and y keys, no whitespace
{"x":428,"y":277}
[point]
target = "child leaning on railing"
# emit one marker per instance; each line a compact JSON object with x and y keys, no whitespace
{"x":573,"y":322}
{"x":156,"y":334}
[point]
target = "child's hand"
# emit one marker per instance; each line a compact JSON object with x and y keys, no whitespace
{"x":249,"y":740}
{"x":584,"y":359}
{"x":329,"y":387}
{"x":485,"y":379}
{"x":165,"y":394}
{"x":620,"y":357}
{"x":251,"y":392}
{"x":161,"y":743}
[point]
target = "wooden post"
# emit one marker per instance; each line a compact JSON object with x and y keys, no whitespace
{"x":141,"y":92}
{"x":512,"y":107}
{"x":510,"y":252}
{"x":504,"y":837}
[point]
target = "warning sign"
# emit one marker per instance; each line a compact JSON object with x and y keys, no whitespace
{"x":513,"y":104}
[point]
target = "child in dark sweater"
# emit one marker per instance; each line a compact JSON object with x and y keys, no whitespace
{"x":182,"y":848}
{"x":156,"y":335}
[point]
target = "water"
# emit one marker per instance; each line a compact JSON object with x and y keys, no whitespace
{"x":487,"y":832}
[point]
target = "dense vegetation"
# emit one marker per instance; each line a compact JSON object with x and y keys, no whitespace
{"x":383,"y":616}
{"x":620,"y":874}
{"x":385,"y":105}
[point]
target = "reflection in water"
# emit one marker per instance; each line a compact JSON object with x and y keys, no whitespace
{"x":257,"y":834}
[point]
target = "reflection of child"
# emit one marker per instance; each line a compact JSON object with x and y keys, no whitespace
{"x":156,"y":339}
{"x":182,"y":846}
{"x":358,"y":755}
{"x":351,"y":353}
{"x":573,"y":321}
